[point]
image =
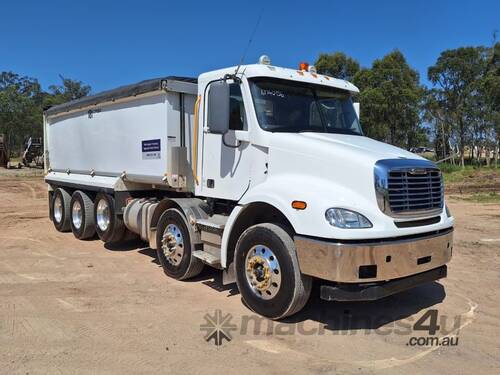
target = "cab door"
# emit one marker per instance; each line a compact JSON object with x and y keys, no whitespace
{"x":226,"y":161}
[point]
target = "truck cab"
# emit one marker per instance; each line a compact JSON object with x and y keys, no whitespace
{"x":275,"y":184}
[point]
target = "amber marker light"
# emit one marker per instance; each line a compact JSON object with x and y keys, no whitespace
{"x":299,"y":205}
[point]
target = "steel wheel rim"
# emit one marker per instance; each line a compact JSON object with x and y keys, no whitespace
{"x":103,"y":215}
{"x":58,"y":209}
{"x":263,"y":272}
{"x":172,"y":244}
{"x":76,"y":214}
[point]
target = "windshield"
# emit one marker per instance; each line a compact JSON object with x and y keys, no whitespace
{"x":286,"y":106}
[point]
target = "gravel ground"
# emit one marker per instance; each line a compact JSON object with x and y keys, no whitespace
{"x":69,"y":306}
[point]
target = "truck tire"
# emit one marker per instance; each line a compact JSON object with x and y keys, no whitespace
{"x":174,"y":246}
{"x":108,"y":225}
{"x":82,"y":215}
{"x":60,"y":210}
{"x":267,"y":272}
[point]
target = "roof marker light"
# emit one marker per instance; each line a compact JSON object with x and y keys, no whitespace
{"x":303,"y":66}
{"x":264,"y":60}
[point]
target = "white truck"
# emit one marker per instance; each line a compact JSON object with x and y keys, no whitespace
{"x":260,"y":171}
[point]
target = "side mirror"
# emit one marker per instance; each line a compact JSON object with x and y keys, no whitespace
{"x":218,"y":108}
{"x":356,"y":109}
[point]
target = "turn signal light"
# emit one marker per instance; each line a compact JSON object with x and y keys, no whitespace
{"x":299,"y":205}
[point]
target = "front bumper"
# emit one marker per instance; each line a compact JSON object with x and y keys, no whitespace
{"x":378,"y":290}
{"x":377,"y":260}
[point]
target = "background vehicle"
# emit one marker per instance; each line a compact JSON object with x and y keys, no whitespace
{"x":33,"y":151}
{"x":260,"y":171}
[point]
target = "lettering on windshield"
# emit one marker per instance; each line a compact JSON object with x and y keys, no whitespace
{"x":267,"y":92}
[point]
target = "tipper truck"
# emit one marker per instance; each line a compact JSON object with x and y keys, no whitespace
{"x":260,"y":171}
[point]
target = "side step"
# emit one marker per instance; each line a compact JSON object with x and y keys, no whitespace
{"x":207,"y":257}
{"x":211,"y":230}
{"x":214,"y":224}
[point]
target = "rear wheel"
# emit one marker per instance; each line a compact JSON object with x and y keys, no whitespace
{"x":268,"y":274}
{"x":174,"y":247}
{"x":108,"y":225}
{"x":82,"y":215}
{"x":61,"y":210}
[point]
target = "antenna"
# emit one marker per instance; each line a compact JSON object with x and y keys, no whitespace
{"x":249,"y":41}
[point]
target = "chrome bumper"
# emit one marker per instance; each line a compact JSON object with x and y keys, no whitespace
{"x":374,"y":261}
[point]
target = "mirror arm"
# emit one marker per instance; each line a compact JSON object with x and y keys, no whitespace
{"x":228,"y":145}
{"x":233,"y":77}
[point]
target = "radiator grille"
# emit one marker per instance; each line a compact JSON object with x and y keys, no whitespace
{"x":411,"y":190}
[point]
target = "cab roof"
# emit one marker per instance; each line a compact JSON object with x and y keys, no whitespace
{"x":262,"y":70}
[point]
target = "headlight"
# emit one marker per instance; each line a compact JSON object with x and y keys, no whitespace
{"x":346,"y":219}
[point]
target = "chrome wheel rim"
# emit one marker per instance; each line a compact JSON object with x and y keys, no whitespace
{"x":76,"y":214}
{"x":173,"y":244}
{"x":263,"y":272}
{"x":58,"y":209}
{"x":103,"y":215}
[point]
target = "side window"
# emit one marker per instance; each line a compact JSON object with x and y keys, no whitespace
{"x":236,"y":108}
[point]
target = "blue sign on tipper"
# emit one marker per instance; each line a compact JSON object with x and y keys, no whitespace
{"x":151,"y":149}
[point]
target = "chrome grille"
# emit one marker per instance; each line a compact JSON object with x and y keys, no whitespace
{"x":411,"y":190}
{"x":408,"y":188}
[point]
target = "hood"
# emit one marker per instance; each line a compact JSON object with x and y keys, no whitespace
{"x":343,"y":160}
{"x":340,"y":145}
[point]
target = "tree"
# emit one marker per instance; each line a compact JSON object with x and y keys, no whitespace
{"x":391,"y":99}
{"x":22,"y":102}
{"x":20,"y":110}
{"x":337,"y":65}
{"x":460,"y":95}
{"x":433,"y":115}
{"x":69,"y":90}
{"x":490,"y":89}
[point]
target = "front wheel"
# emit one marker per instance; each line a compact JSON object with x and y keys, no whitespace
{"x":268,"y":274}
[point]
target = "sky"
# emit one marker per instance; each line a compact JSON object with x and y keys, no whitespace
{"x":111,"y":43}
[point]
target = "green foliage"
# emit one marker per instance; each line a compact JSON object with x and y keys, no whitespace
{"x":453,"y":173}
{"x":490,"y":197}
{"x":69,"y":90}
{"x":461,"y":108}
{"x":465,"y":98}
{"x":22,"y":101}
{"x":490,"y":87}
{"x":391,"y":99}
{"x":337,"y":65}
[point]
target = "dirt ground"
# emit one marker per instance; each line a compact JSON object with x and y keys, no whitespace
{"x":69,"y":306}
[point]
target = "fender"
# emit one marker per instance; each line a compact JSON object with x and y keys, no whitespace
{"x":193,"y":209}
{"x":279,"y":192}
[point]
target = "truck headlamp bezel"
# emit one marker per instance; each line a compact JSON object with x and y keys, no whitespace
{"x":346,"y":219}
